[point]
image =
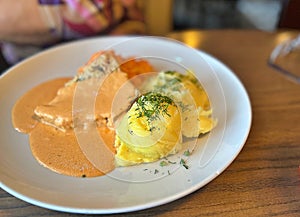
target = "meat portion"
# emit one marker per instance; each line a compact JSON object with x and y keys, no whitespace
{"x":100,"y":78}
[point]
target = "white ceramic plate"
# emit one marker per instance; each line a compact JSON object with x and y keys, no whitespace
{"x":133,"y":188}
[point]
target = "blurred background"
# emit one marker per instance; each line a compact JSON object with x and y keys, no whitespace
{"x":169,"y":15}
{"x":164,"y":16}
{"x":207,"y":14}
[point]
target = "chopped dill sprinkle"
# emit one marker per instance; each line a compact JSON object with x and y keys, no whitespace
{"x":171,"y":162}
{"x":184,"y":107}
{"x":152,"y":105}
{"x":187,"y":153}
{"x":170,"y":72}
{"x":163,"y":163}
{"x":183,"y":163}
{"x":194,"y":80}
{"x":174,"y":81}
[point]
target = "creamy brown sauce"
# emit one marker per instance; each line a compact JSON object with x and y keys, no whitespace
{"x":52,"y":137}
{"x":54,"y":149}
{"x":60,"y":152}
{"x":23,"y":110}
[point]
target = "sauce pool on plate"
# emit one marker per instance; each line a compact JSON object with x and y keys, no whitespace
{"x":56,"y":150}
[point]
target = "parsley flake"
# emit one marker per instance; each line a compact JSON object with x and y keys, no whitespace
{"x":183,"y":163}
{"x":163,"y":163}
{"x":187,"y":153}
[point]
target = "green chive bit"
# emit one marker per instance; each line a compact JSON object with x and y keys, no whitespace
{"x":187,"y":153}
{"x":171,"y":162}
{"x":163,"y":163}
{"x":183,"y":163}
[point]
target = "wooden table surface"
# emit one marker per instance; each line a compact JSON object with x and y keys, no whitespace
{"x":264,"y":180}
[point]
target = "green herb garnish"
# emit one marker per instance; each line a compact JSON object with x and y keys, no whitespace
{"x":152,"y":105}
{"x":163,"y":163}
{"x":187,"y":153}
{"x":183,"y":163}
{"x":171,"y":162}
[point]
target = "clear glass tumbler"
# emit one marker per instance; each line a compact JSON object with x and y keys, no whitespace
{"x":285,"y":59}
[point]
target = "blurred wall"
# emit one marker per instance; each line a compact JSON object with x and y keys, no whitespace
{"x":215,"y":14}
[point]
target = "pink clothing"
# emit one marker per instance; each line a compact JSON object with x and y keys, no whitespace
{"x":74,"y":19}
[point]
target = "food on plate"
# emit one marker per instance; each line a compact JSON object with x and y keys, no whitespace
{"x":174,"y":105}
{"x":45,"y":113}
{"x":191,"y":98}
{"x":136,"y":119}
{"x":59,"y":111}
{"x":149,"y":131}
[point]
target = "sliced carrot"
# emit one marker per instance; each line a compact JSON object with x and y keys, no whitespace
{"x":135,"y":67}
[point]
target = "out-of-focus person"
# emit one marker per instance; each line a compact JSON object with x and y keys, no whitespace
{"x":28,"y":26}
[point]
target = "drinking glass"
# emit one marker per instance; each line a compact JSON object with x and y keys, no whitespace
{"x":285,"y":59}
